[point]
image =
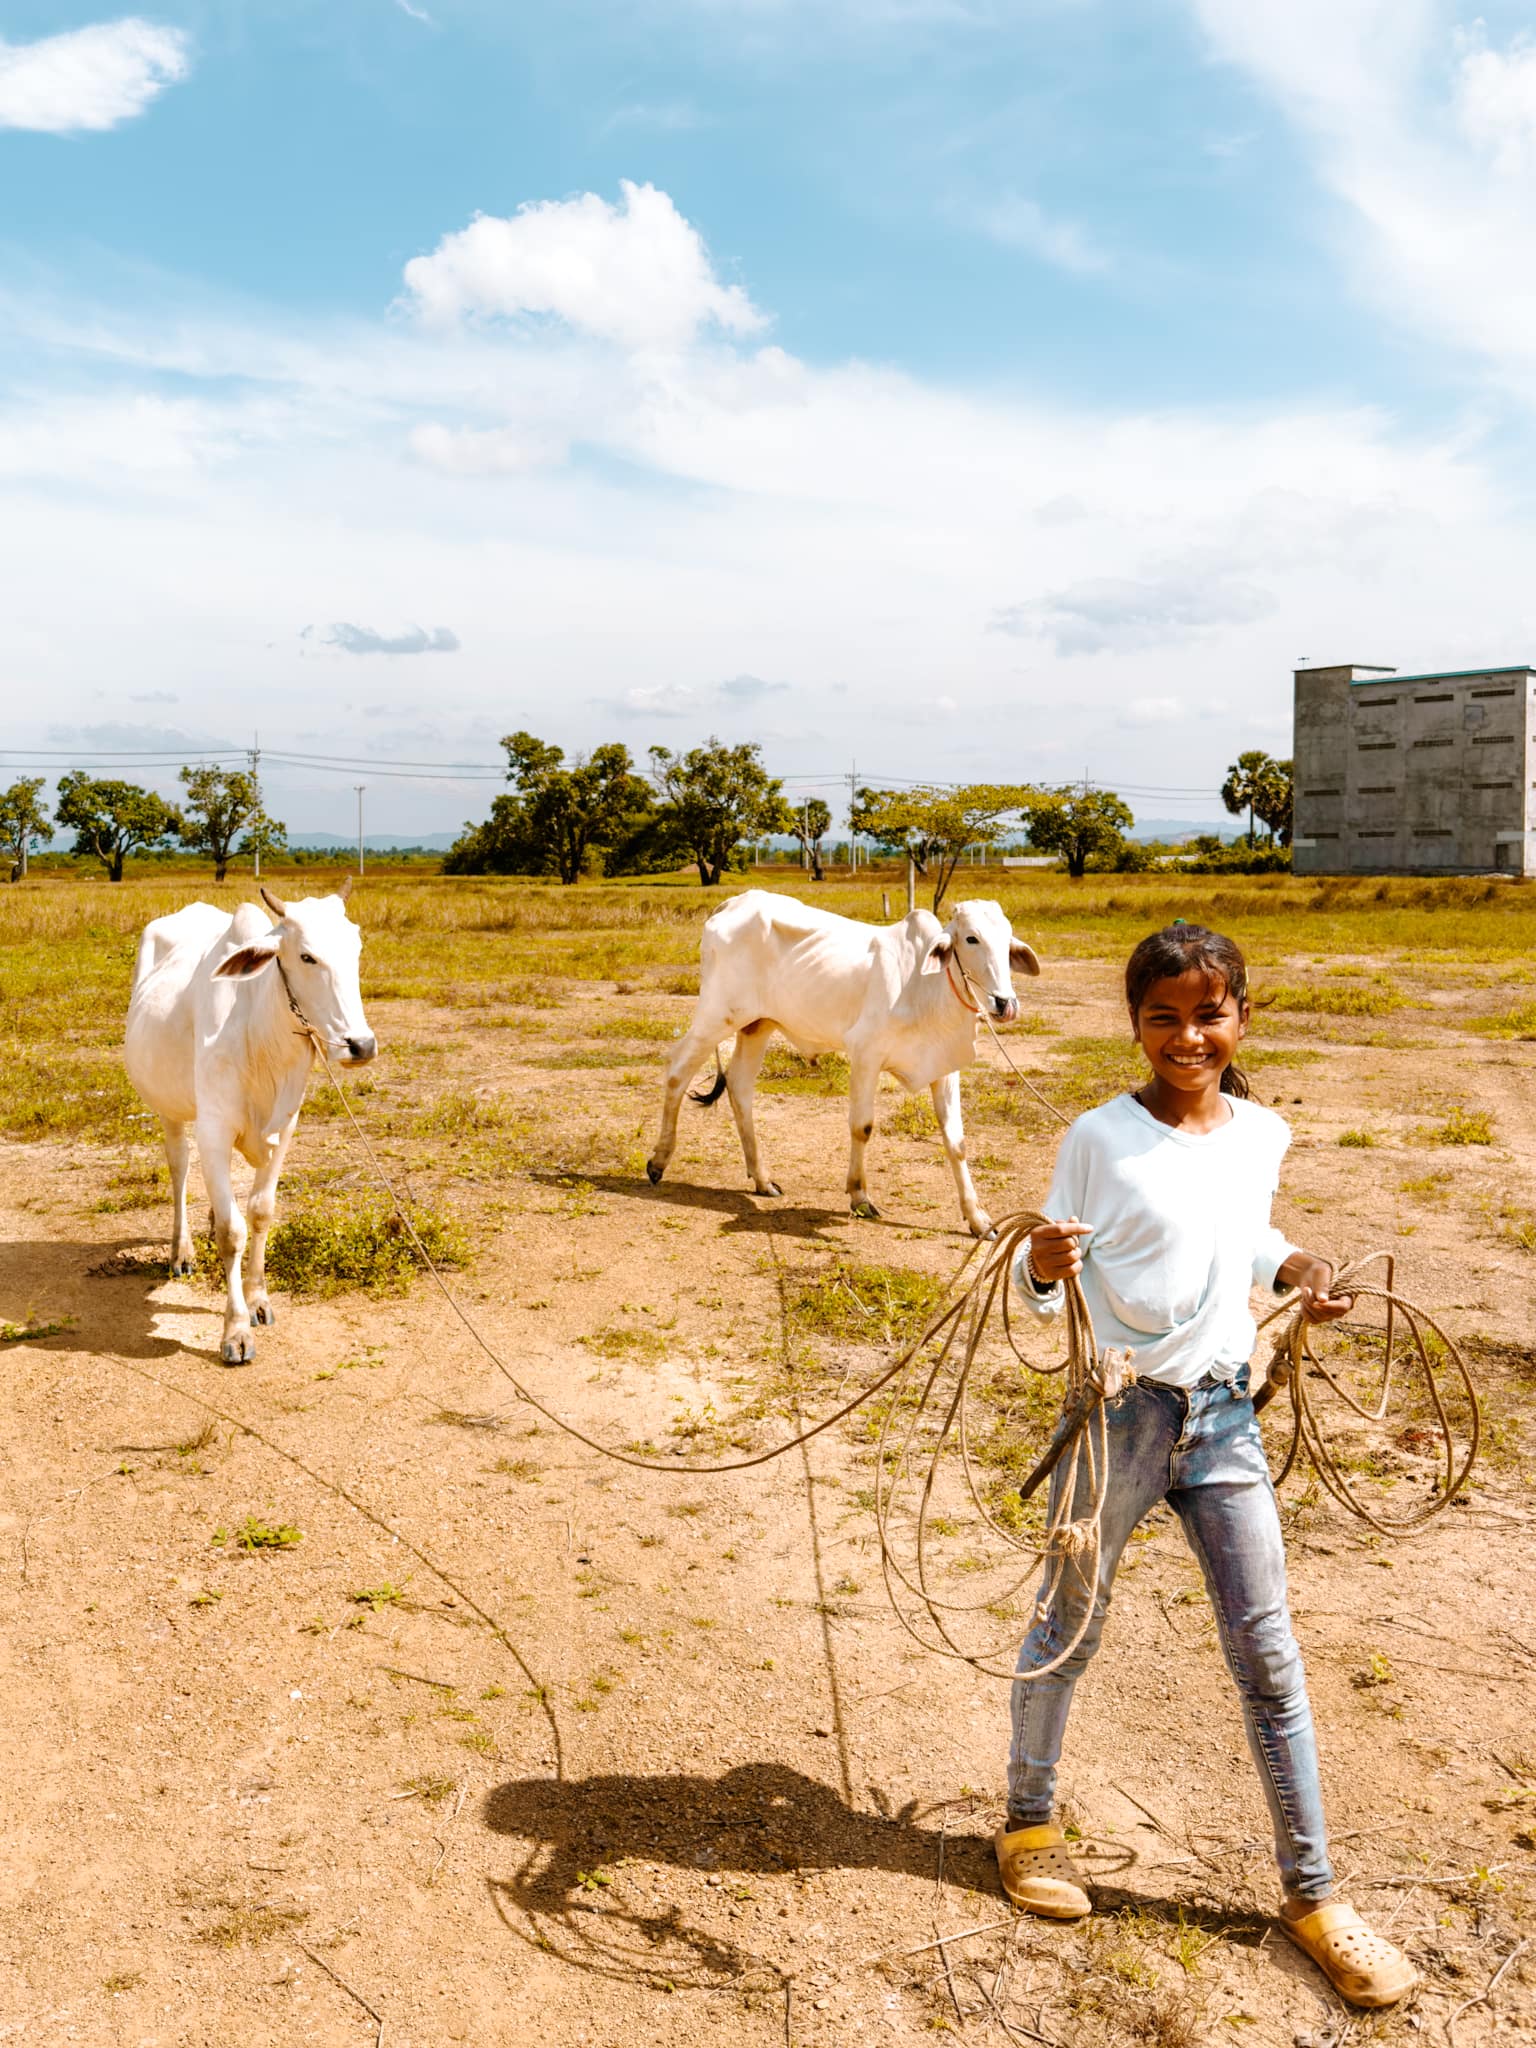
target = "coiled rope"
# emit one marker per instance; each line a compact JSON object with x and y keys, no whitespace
{"x":1295,"y":1367}
{"x":929,"y":1406}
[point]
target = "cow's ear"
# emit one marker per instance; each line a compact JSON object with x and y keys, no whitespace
{"x":937,"y":953}
{"x":1022,"y":957}
{"x":248,"y":961}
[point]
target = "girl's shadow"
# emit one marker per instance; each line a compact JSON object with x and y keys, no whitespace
{"x":574,"y":1894}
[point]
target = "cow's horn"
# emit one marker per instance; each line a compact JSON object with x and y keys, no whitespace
{"x":346,"y":889}
{"x":275,"y":904}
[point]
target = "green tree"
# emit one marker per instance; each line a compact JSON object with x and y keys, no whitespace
{"x":870,"y":815}
{"x":715,"y":796}
{"x":499,"y":845}
{"x":1274,"y":800}
{"x":935,"y":826}
{"x":560,"y":819}
{"x":810,"y":822}
{"x":23,"y":819}
{"x":219,"y":803}
{"x":113,"y":819}
{"x":578,"y":812}
{"x":1077,"y":823}
{"x":1245,"y":785}
{"x":263,"y":836}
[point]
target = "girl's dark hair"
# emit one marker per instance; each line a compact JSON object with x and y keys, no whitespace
{"x":1165,"y":955}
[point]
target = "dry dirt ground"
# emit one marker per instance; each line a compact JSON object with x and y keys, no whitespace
{"x":519,"y":1745}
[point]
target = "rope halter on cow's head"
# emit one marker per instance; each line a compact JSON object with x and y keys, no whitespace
{"x":950,"y":964}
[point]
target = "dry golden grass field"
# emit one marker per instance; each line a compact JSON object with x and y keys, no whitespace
{"x":343,"y":1694}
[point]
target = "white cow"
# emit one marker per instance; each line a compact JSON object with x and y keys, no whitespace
{"x":213,"y":1044}
{"x":903,"y":999}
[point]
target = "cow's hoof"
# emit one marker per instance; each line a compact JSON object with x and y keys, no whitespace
{"x":180,"y":1268}
{"x":770,"y":1187}
{"x":238,"y":1349}
{"x":262,"y":1312}
{"x":867,"y":1211}
{"x":981,"y":1226}
{"x":653,"y":1172}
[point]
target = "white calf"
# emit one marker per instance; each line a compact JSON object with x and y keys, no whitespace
{"x":903,"y":999}
{"x":213,"y":1045}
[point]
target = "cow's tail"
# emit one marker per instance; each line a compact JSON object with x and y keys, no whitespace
{"x":712,"y":1094}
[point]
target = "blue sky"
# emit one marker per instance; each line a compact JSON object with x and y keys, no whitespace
{"x":958,"y":386}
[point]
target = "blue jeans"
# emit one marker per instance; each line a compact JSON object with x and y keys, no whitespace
{"x":1199,"y":1449}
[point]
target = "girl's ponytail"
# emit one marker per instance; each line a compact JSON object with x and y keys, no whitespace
{"x":1165,"y":955}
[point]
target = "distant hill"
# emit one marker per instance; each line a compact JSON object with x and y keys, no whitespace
{"x":1174,"y":831}
{"x":374,"y":842}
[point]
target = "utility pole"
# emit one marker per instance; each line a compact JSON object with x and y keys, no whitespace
{"x":253,"y":754}
{"x":853,"y":840}
{"x":359,"y":787}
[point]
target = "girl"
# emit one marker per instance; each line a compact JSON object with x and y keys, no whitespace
{"x":1161,"y":1203}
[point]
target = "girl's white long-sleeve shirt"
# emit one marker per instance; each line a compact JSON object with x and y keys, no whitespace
{"x":1181,"y":1234}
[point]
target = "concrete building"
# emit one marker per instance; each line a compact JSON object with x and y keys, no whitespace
{"x":1414,"y":775}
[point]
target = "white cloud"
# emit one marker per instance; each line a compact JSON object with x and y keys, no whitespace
{"x":1496,"y":101}
{"x":169,"y":441}
{"x":750,"y":689}
{"x":1141,"y":711}
{"x":89,"y":78}
{"x":484,"y":451}
{"x":660,"y":700}
{"x":1020,"y":223}
{"x":1428,"y":136}
{"x":637,"y":274}
{"x":416,"y":13}
{"x":1104,"y":614}
{"x":368,"y":640}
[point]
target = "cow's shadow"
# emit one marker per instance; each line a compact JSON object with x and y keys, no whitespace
{"x":747,"y":1213}
{"x":101,"y":1295}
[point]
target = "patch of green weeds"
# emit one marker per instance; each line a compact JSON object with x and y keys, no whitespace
{"x":254,"y":1534}
{"x":375,"y":1597}
{"x":912,"y":1117}
{"x":31,"y":1331}
{"x":249,"y":1926}
{"x":1517,"y":1023}
{"x":617,"y":1341}
{"x":1358,"y":1140}
{"x":1377,"y":1670}
{"x":786,"y":1072}
{"x":434,"y":1788}
{"x":866,"y":1304}
{"x":525,"y":1469}
{"x":1254,"y":1058}
{"x":1376,"y":999}
{"x":1461,"y":1127}
{"x":359,"y":1242}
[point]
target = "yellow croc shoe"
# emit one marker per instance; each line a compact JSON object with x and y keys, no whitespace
{"x":1038,"y":1874}
{"x":1361,"y":1966}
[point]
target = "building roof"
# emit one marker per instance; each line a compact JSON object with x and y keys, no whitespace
{"x":1451,"y":675}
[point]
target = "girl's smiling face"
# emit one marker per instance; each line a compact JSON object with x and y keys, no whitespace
{"x":1189,"y":1026}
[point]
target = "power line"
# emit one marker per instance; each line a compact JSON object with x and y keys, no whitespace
{"x":484,"y":771}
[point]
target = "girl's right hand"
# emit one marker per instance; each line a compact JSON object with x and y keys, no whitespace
{"x":1053,"y":1251}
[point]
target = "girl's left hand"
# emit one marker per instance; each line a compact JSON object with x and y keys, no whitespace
{"x":1317,"y":1304}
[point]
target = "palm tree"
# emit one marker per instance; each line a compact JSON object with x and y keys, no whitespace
{"x":1245,"y":785}
{"x":1275,"y":800}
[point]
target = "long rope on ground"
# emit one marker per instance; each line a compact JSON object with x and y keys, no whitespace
{"x":928,"y":1414}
